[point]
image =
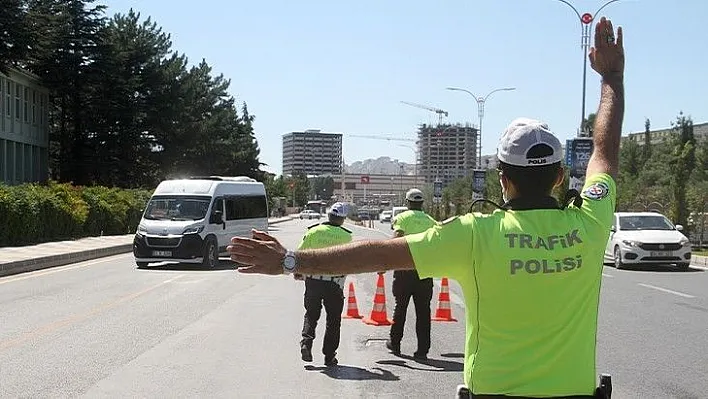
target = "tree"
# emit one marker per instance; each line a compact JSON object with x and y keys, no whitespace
{"x":15,"y":34}
{"x":66,"y":34}
{"x":646,"y":150}
{"x":589,"y":124}
{"x":298,"y":187}
{"x":683,"y":163}
{"x":322,"y":187}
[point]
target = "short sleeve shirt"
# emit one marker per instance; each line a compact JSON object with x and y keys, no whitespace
{"x":325,"y":235}
{"x":531,"y":281}
{"x":413,"y":221}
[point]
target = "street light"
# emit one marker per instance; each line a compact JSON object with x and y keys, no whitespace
{"x":480,"y":114}
{"x":585,"y":26}
{"x":415,"y":162}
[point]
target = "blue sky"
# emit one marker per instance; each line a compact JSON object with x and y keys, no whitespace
{"x":345,"y":66}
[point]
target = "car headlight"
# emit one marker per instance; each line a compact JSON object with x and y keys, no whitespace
{"x":631,"y":243}
{"x":685,"y":242}
{"x":193,"y":230}
{"x":142,"y":230}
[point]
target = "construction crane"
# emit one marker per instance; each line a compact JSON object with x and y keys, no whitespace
{"x":438,"y":111}
{"x":380,"y":137}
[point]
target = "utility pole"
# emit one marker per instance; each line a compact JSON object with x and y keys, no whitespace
{"x":480,"y":114}
{"x":585,"y":28}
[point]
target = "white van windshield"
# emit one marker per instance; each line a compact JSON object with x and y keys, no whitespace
{"x":177,"y":208}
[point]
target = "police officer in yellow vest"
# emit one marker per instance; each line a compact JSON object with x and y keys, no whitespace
{"x":531,"y":272}
{"x":324,"y":289}
{"x":407,"y":284}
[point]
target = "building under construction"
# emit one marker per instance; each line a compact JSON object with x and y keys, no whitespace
{"x":447,"y":152}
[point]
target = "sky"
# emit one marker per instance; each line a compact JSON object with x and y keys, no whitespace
{"x":345,"y":67}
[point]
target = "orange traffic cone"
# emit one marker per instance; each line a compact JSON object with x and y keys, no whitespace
{"x":352,"y":309}
{"x":378,"y":315}
{"x":444,"y":312}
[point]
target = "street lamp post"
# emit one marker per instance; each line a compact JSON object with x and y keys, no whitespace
{"x":415,"y":163}
{"x":585,"y":26}
{"x":480,"y":113}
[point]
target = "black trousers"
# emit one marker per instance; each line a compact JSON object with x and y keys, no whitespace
{"x":407,"y":285}
{"x":317,"y":293}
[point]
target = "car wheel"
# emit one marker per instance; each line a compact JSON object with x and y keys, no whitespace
{"x":142,"y":265}
{"x":618,"y":258}
{"x":684,"y":266}
{"x":211,"y":254}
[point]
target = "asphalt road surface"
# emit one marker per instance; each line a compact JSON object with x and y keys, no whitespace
{"x":106,"y":329}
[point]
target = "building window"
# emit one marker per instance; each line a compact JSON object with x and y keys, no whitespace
{"x":42,"y":102}
{"x":26,"y":108}
{"x":8,"y":99}
{"x":34,"y":107}
{"x":2,"y":99}
{"x":18,"y":91}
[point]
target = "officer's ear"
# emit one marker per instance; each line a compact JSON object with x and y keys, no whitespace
{"x":559,"y":177}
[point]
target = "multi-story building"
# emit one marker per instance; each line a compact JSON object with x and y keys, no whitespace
{"x":312,"y":152}
{"x":447,"y":152}
{"x":24,"y":128}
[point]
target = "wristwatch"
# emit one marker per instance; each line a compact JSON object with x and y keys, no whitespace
{"x":289,"y":262}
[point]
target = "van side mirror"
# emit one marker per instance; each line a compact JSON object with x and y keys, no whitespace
{"x":217,"y":217}
{"x":679,"y":227}
{"x":613,"y":229}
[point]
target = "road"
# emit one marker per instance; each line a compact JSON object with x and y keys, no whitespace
{"x":106,"y":329}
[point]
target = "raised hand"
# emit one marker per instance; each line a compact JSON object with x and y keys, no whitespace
{"x":262,"y":254}
{"x":607,"y":55}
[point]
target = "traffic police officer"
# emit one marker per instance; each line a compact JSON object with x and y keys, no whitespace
{"x":324,"y":289}
{"x":407,"y":283}
{"x":531,"y":272}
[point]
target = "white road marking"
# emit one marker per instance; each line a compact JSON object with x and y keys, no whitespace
{"x":52,"y":270}
{"x":666,"y":290}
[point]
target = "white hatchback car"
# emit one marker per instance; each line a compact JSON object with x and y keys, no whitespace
{"x":646,"y":238}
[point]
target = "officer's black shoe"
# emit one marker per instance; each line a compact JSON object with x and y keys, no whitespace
{"x":306,"y":354}
{"x":420,"y":356}
{"x":396,"y":349}
{"x":331,"y":361}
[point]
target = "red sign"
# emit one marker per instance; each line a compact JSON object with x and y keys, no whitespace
{"x":365,"y":180}
{"x":586,"y":18}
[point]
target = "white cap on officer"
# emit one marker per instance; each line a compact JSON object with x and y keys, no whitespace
{"x":414,"y":195}
{"x":528,"y":143}
{"x":339,"y":209}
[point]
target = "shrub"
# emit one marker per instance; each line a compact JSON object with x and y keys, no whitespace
{"x":34,"y":213}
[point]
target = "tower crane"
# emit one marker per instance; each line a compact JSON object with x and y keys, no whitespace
{"x":381,"y":137}
{"x":438,"y":111}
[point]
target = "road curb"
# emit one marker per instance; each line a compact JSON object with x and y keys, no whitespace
{"x":46,"y":262}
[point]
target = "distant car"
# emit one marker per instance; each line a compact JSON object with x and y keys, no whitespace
{"x":309,"y":214}
{"x":646,"y":238}
{"x":385,"y":217}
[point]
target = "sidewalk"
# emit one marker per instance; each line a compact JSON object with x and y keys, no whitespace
{"x":14,"y":260}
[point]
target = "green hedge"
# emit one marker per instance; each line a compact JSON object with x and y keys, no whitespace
{"x":35,"y":213}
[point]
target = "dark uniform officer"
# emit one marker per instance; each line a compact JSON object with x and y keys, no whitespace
{"x":324,"y":289}
{"x":407,"y":283}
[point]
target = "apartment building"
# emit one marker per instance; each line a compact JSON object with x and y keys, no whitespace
{"x":24,"y":128}
{"x":447,"y":152}
{"x":312,"y":152}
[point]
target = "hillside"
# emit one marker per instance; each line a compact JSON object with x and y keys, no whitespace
{"x":381,"y":165}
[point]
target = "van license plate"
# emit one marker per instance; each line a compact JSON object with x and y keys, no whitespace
{"x":162,"y":253}
{"x":661,"y":253}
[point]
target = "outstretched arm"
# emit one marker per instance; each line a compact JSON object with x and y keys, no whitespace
{"x":263,"y":254}
{"x":607,"y":58}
